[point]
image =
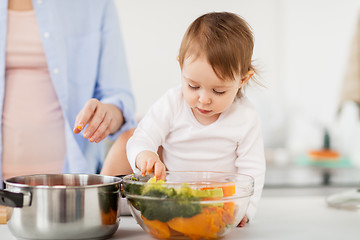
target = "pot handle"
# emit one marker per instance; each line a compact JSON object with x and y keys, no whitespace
{"x":121,"y":185}
{"x":14,"y":199}
{"x":120,"y":176}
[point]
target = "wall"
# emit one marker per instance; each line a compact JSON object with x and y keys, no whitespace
{"x":301,"y":50}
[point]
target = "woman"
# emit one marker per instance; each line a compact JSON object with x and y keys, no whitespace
{"x":62,"y":70}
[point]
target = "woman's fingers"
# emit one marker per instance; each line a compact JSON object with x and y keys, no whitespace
{"x":94,"y":124}
{"x":85,"y":115}
{"x":98,"y":118}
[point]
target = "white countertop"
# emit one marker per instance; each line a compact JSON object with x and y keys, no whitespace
{"x":289,"y":214}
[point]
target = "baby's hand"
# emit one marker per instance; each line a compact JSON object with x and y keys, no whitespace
{"x":148,"y":162}
{"x":244,"y":221}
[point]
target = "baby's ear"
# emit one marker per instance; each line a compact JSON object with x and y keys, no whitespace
{"x":246,"y":77}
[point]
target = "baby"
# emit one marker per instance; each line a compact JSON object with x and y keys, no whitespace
{"x":206,"y":124}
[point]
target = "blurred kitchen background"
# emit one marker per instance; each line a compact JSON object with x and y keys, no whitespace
{"x":307,"y":52}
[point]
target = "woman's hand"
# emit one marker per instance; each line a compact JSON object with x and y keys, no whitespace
{"x":148,"y":162}
{"x":102,"y":119}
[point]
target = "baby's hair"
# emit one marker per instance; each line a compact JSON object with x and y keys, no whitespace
{"x":224,"y":39}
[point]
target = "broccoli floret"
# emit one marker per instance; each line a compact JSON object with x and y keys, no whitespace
{"x":168,"y":208}
{"x":169,"y":203}
{"x":158,"y":189}
{"x":186,"y":207}
{"x":134,"y":189}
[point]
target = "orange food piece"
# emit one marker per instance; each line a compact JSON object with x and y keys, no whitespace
{"x":324,"y":154}
{"x":228,"y":190}
{"x":228,"y":215}
{"x":157,"y":228}
{"x":206,"y":224}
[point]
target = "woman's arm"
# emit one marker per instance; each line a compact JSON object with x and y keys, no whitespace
{"x":116,"y":162}
{"x":111,"y":111}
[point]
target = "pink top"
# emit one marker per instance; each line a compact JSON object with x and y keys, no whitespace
{"x":33,"y":125}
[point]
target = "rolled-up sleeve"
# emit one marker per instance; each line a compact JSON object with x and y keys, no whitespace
{"x":113,"y":85}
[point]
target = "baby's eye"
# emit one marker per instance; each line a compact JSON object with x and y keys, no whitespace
{"x":193,"y":87}
{"x":218,"y":92}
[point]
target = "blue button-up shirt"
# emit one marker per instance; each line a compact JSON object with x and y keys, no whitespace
{"x":86,"y":59}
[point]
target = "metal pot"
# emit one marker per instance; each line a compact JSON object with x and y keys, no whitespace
{"x":62,"y":206}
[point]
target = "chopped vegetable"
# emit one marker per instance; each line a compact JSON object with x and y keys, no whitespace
{"x":176,"y":212}
{"x":203,"y":193}
{"x":228,"y":214}
{"x":157,"y":228}
{"x":207,"y":224}
{"x":135,"y":189}
{"x":227,"y":191}
{"x":169,"y":203}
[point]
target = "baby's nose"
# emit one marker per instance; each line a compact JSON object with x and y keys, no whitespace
{"x":204,"y":99}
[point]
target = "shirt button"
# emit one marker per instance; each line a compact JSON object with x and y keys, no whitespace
{"x":39,"y":1}
{"x":46,"y":34}
{"x":56,"y":70}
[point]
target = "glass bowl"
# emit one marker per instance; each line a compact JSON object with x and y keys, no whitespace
{"x":189,"y":205}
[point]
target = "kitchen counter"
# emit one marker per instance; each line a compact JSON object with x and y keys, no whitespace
{"x":310,"y":176}
{"x":283,"y":213}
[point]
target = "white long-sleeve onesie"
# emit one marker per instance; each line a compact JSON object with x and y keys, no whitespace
{"x":233,"y":143}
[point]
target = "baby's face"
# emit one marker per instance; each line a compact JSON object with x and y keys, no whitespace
{"x":206,"y":94}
